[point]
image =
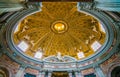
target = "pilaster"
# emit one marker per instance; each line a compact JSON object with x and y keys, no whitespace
{"x":99,"y":71}
{"x":70,"y":74}
{"x":78,"y":74}
{"x":49,"y":74}
{"x":20,"y":72}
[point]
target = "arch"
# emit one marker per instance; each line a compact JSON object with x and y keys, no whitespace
{"x":4,"y":72}
{"x":112,"y":67}
{"x":115,"y":72}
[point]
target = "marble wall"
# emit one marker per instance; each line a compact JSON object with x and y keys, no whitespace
{"x":109,"y":64}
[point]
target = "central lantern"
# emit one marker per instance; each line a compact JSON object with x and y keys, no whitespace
{"x":59,"y":27}
{"x":59,"y":30}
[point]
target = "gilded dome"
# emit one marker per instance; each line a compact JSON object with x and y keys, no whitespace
{"x":59,"y":29}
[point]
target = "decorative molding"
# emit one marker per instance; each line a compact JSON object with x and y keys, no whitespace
{"x":87,"y":5}
{"x":109,"y":5}
{"x":31,"y":71}
{"x":56,"y":59}
{"x":87,"y":71}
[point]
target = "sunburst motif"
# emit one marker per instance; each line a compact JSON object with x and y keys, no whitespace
{"x":74,"y":31}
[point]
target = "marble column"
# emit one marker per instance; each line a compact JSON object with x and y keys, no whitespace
{"x":99,"y":72}
{"x":20,"y":72}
